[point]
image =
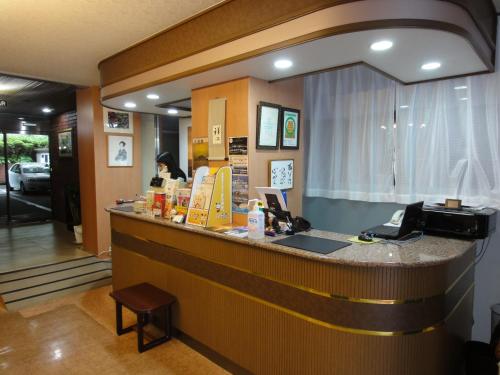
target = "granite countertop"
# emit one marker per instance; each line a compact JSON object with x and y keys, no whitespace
{"x":427,"y":251}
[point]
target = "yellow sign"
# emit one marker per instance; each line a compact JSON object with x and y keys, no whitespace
{"x":220,"y":212}
{"x":210,"y":203}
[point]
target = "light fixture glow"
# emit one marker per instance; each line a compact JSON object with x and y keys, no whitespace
{"x":382,"y":45}
{"x":404,"y":106}
{"x":423,"y":125}
{"x":20,"y":118}
{"x":47,"y":110}
{"x":6,"y":87}
{"x":383,"y":127}
{"x":130,"y":105}
{"x":410,"y":125}
{"x":153,"y":96}
{"x":460,"y":87}
{"x":464,"y":99}
{"x":283,"y":64}
{"x":172,"y":111}
{"x":395,"y":126}
{"x":431,"y":65}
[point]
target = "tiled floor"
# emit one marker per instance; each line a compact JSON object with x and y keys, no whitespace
{"x":75,"y":335}
{"x":31,"y":245}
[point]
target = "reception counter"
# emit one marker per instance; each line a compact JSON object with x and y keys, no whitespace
{"x":375,"y":309}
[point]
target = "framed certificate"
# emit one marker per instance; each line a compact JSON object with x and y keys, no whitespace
{"x":267,"y":126}
{"x":290,"y":128}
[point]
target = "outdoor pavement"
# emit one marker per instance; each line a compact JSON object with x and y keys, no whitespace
{"x":25,"y":208}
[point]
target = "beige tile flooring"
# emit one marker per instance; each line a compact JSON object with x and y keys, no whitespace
{"x":76,"y":335}
{"x":36,"y":244}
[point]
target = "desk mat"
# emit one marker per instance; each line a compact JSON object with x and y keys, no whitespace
{"x":313,"y":244}
{"x":123,"y":208}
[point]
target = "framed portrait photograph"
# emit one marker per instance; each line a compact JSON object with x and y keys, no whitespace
{"x":118,"y":121}
{"x":267,"y":126}
{"x":120,"y":151}
{"x":281,"y":174}
{"x":290,"y":128}
{"x":65,"y":144}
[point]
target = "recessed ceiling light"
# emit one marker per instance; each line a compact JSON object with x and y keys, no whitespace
{"x":283,"y":64}
{"x":382,"y":45}
{"x":153,"y":96}
{"x":423,"y":125}
{"x":410,"y":125}
{"x":460,"y":87}
{"x":130,"y":105}
{"x":403,"y":106}
{"x":20,"y":118}
{"x":172,"y":111}
{"x":431,"y":65}
{"x":47,"y":110}
{"x":463,"y":99}
{"x":383,"y":127}
{"x":395,"y":126}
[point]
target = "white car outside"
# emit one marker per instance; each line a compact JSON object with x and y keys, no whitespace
{"x":29,"y":177}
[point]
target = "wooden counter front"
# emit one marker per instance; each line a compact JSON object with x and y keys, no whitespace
{"x":275,"y":310}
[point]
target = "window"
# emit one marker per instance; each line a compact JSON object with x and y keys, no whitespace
{"x":371,"y":139}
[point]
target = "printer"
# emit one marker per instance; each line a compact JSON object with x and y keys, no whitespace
{"x":467,"y":222}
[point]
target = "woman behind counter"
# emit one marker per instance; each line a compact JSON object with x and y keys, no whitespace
{"x":166,"y":163}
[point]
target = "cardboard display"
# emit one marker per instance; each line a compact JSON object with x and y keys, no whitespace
{"x":211,"y":197}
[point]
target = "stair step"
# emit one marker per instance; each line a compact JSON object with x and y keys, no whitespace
{"x":54,"y":286}
{"x":18,"y":284}
{"x":21,"y":304}
{"x":38,"y":270}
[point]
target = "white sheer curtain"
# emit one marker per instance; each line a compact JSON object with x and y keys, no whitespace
{"x":349,"y":135}
{"x":447,"y":141}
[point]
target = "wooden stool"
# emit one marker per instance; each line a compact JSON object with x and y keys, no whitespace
{"x":143,"y":299}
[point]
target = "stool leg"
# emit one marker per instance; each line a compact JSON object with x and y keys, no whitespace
{"x":140,"y":332}
{"x":119,"y":322}
{"x":168,"y":322}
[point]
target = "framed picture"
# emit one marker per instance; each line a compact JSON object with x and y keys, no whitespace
{"x":120,"y":151}
{"x":65,"y":144}
{"x":118,"y":121}
{"x":290,"y":128}
{"x":267,"y":126}
{"x":281,"y":174}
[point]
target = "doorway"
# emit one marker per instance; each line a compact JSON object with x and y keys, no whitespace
{"x":25,"y":194}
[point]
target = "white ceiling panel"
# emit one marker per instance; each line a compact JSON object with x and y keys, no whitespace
{"x":63,"y":41}
{"x":411,"y":49}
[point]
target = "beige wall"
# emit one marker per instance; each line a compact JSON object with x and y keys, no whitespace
{"x":100,"y":185}
{"x":236,"y":94}
{"x":289,"y":93}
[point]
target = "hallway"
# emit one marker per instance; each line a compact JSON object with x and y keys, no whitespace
{"x":33,"y":245}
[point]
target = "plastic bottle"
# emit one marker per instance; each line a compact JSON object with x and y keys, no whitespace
{"x":256,"y":223}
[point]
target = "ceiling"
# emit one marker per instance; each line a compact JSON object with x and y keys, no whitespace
{"x":412,"y":48}
{"x":63,"y":41}
{"x":26,"y":98}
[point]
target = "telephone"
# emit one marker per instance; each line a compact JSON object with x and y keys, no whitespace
{"x":397,"y":217}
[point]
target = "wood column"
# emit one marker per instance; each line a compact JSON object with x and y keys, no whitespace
{"x":100,"y":185}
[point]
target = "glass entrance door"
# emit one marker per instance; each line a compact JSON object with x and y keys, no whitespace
{"x":25,"y":189}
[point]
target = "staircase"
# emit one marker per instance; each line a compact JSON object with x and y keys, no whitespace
{"x":19,"y":289}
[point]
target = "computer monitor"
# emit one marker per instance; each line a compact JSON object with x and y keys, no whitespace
{"x":272,"y":198}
